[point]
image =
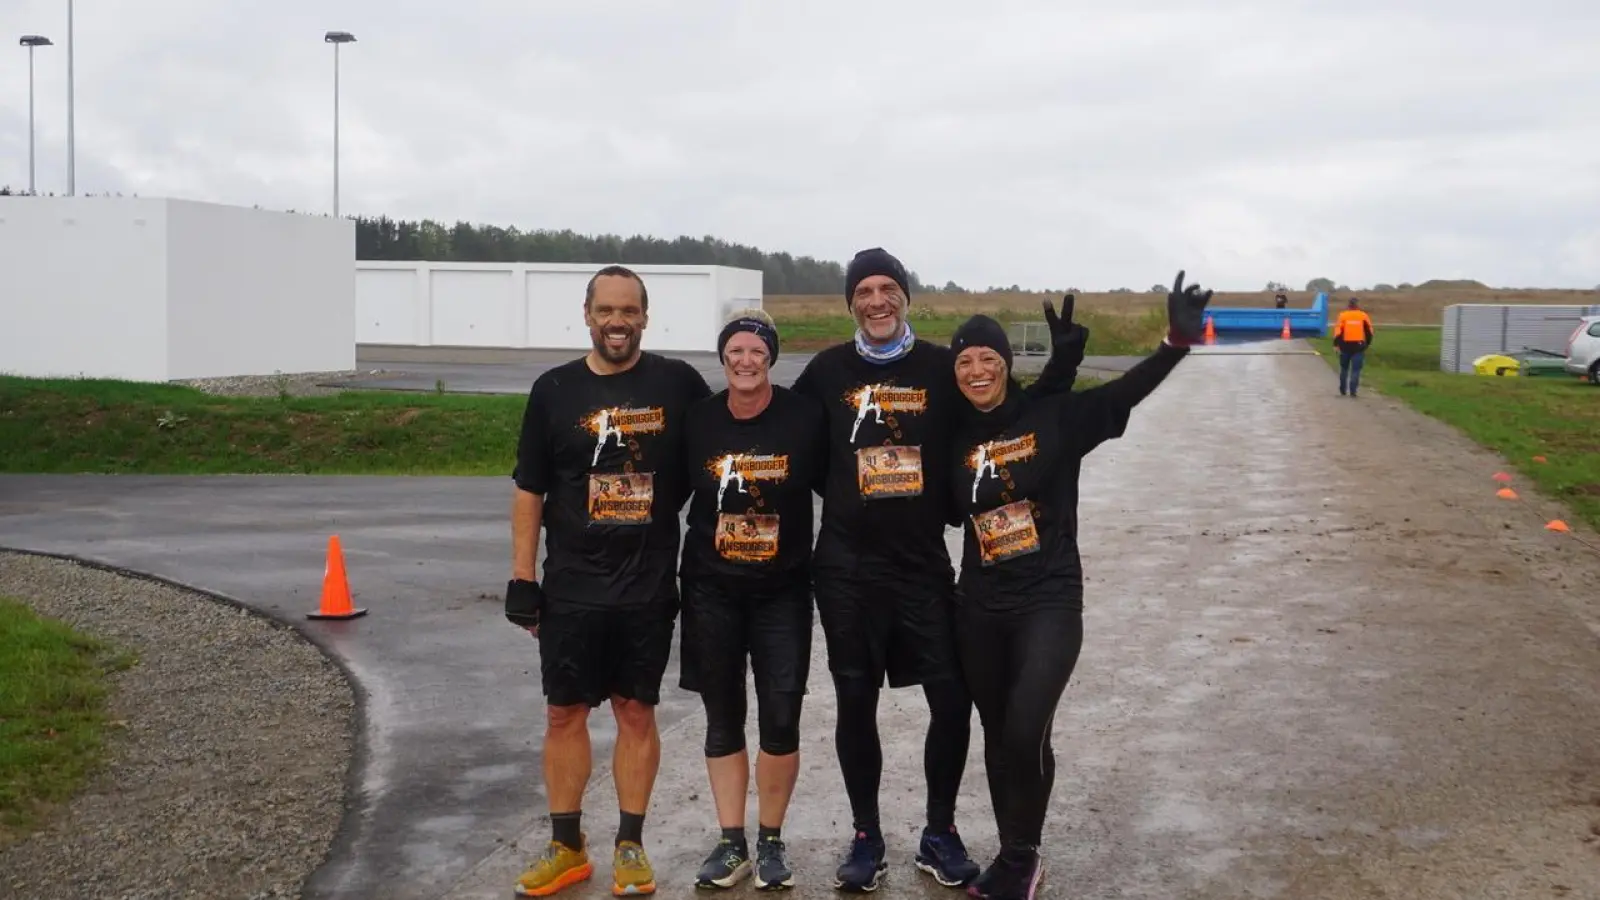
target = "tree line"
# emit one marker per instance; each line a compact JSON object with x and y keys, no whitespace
{"x":382,"y":237}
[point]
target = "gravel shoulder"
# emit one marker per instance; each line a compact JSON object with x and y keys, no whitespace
{"x":227,"y":777}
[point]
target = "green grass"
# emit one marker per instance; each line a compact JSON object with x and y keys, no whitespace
{"x":110,"y":426}
{"x":1109,"y":335}
{"x":52,"y":714}
{"x":1557,"y":417}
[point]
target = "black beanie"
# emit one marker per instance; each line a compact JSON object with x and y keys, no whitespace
{"x":876,"y":261}
{"x":760,"y":329}
{"x":982,"y":331}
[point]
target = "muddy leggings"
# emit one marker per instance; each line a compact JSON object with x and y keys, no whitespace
{"x":1017,"y":664}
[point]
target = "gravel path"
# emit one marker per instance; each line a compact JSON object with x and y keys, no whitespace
{"x":228,"y":777}
{"x":294,"y":384}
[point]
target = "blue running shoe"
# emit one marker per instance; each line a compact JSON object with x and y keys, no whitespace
{"x":944,"y":856}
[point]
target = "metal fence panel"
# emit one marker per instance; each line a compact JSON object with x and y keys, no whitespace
{"x":1471,"y":330}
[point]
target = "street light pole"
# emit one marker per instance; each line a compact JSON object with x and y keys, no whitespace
{"x":336,"y":38}
{"x":32,"y":42}
{"x":72,"y":148}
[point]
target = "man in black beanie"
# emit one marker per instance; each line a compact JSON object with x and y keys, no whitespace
{"x":882,"y":574}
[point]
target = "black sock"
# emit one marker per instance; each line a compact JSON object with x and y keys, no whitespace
{"x":870,"y":829}
{"x":735,"y":835}
{"x":631,"y":828}
{"x":765,"y":833}
{"x":566,"y":828}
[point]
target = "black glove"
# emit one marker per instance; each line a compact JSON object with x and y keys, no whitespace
{"x":1186,"y":313}
{"x":523,"y":602}
{"x":1067,"y":342}
{"x":1067,"y":338}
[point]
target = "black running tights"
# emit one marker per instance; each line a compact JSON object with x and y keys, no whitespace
{"x":1017,"y":664}
{"x":944,"y":752}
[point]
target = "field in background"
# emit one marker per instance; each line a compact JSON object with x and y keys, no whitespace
{"x":1133,"y":332}
{"x":1419,"y":306}
{"x":1557,"y":418}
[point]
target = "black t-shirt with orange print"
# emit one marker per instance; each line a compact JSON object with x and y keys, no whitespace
{"x":606,"y":451}
{"x":1014,"y":483}
{"x":753,"y":481}
{"x":890,"y":427}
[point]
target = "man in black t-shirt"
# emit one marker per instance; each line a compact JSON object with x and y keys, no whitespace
{"x":600,"y":467}
{"x":882,"y":573}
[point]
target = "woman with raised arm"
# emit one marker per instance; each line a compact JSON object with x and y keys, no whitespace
{"x":1019,"y":598}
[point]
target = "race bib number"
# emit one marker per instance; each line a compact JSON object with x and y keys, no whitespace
{"x":621,"y":498}
{"x":889,"y":471}
{"x":747,"y":537}
{"x":1006,"y":532}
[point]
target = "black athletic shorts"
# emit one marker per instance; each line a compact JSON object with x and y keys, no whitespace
{"x":588,"y":654}
{"x":901,"y":632}
{"x":723,"y":628}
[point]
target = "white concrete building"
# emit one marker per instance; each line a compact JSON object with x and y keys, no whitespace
{"x":158,"y":289}
{"x":453,"y":305}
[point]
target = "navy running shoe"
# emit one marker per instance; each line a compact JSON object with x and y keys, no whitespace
{"x":944,"y":856}
{"x":863,"y":867}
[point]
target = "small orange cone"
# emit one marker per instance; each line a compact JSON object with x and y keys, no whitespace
{"x":1211,"y":331}
{"x":1501,"y":476}
{"x":1287,"y":334}
{"x":1556,"y":525}
{"x":335,"y":587}
{"x":1506,"y":493}
{"x":1540,"y":459}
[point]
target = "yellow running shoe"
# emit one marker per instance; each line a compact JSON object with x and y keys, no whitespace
{"x":631,"y":870}
{"x":558,"y":867}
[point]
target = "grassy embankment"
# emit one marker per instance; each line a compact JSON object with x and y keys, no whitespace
{"x":52,"y":714}
{"x":1557,"y":418}
{"x":107,"y":426}
{"x":91,"y":425}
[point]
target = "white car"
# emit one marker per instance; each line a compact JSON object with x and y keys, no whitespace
{"x":1583,"y":350}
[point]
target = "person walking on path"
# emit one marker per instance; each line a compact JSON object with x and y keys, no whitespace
{"x":1352,"y":335}
{"x":1019,"y":612}
{"x":755,"y":455}
{"x":881,"y":571}
{"x":600,"y":468}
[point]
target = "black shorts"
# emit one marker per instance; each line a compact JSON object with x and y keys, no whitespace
{"x":723,"y":628}
{"x":901,"y":632}
{"x":589,"y":654}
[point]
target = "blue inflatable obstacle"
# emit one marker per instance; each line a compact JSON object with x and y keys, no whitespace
{"x":1269,"y":321}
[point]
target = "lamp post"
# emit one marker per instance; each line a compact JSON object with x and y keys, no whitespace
{"x":32,"y":42}
{"x":336,"y":38}
{"x":72,"y":143}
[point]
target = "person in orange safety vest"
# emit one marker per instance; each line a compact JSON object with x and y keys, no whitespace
{"x":1352,"y":334}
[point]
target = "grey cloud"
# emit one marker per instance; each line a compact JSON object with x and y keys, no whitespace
{"x":1049,"y":144}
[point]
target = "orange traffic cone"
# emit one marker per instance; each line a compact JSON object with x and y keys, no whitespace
{"x":1556,"y":525}
{"x":1506,"y":494}
{"x":1211,"y":331}
{"x":1287,"y":334}
{"x":335,"y":587}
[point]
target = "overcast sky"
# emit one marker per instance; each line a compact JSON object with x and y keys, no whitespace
{"x":1041,"y":142}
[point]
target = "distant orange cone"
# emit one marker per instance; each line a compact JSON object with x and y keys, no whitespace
{"x":1501,"y":476}
{"x":1557,"y":525}
{"x":1540,"y":459}
{"x":335,"y":587}
{"x":1211,"y":331}
{"x":1287,"y":333}
{"x":1506,"y":493}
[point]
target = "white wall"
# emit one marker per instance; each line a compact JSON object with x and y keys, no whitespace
{"x":83,"y":285}
{"x":157,"y":289}
{"x":517,"y":305}
{"x":253,"y":291}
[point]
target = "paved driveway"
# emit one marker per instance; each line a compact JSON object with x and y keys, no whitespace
{"x":1322,"y":660}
